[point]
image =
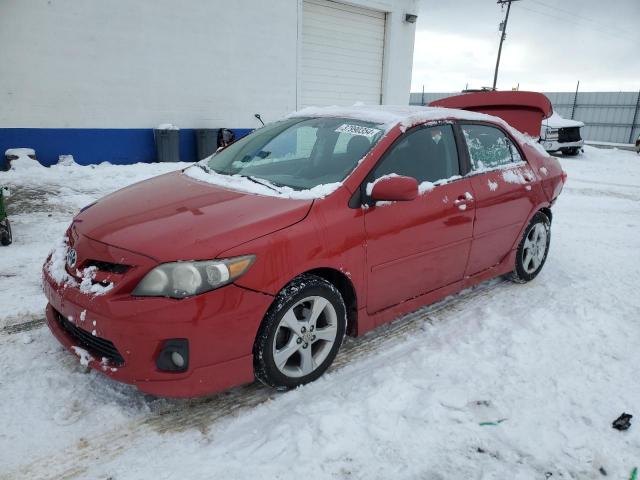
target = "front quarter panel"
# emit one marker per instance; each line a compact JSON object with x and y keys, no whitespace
{"x":332,"y":236}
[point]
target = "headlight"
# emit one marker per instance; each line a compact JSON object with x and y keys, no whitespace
{"x":185,"y":279}
{"x":552,"y":134}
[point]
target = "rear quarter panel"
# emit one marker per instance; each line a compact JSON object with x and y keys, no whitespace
{"x":548,"y":170}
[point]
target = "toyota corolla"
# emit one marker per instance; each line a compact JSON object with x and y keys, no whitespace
{"x":257,"y":261}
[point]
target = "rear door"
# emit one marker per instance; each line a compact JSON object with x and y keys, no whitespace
{"x":505,"y":189}
{"x":418,"y":246}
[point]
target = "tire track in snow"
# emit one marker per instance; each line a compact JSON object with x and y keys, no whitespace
{"x":22,"y":326}
{"x":201,"y":414}
{"x":595,"y":192}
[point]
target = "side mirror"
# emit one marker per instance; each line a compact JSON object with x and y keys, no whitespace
{"x":393,"y":189}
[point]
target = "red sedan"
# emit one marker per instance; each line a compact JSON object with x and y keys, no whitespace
{"x":255,"y":262}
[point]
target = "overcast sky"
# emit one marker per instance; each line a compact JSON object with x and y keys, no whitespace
{"x":550,"y":45}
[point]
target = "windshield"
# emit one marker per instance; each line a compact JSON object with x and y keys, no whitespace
{"x":300,"y":153}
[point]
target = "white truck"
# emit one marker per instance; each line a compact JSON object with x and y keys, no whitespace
{"x":561,"y":134}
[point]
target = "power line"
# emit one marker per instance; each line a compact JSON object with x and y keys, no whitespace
{"x":576,"y":15}
{"x":568,"y":19}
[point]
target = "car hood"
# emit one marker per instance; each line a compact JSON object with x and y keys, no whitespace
{"x":174,"y":217}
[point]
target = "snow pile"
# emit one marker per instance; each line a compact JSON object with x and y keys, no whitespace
{"x":17,"y":152}
{"x":167,"y":126}
{"x":66,"y":160}
{"x":24,"y":162}
{"x":260,"y":187}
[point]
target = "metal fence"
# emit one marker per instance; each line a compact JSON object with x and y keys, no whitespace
{"x":608,"y":116}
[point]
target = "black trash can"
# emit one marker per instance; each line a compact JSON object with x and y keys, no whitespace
{"x":206,"y":141}
{"x":167,"y":144}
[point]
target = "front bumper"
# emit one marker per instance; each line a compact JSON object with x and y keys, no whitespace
{"x":554,"y":145}
{"x":220,"y":326}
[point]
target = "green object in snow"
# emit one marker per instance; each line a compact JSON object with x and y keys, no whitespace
{"x":634,"y":474}
{"x":5,"y":226}
{"x":494,"y":424}
{"x":3,"y":211}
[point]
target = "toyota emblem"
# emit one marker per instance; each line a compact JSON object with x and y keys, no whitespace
{"x":72,"y":258}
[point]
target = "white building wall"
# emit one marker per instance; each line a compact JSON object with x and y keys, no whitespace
{"x":136,"y":64}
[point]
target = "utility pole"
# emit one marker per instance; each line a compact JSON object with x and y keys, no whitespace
{"x":503,"y":29}
{"x":575,"y":101}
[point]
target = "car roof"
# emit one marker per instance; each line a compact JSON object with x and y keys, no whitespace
{"x":406,"y":116}
{"x":392,"y":115}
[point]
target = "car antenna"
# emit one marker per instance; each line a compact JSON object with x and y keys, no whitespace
{"x":257,"y":115}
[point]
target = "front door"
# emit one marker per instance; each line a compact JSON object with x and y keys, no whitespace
{"x":417,"y":246}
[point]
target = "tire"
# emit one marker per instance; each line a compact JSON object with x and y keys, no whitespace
{"x":533,"y":249}
{"x":5,"y":233}
{"x":288,"y":351}
{"x":571,"y":152}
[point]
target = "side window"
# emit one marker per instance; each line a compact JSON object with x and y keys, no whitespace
{"x":489,"y":147}
{"x":426,"y":154}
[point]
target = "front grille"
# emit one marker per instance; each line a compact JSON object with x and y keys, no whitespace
{"x":96,"y":346}
{"x":107,"y":267}
{"x":569,"y":134}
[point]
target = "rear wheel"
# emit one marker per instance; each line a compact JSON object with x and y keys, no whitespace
{"x":301,"y":333}
{"x":5,"y":232}
{"x":533,"y":249}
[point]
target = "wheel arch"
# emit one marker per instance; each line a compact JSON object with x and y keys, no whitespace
{"x":344,"y":285}
{"x":547,"y":212}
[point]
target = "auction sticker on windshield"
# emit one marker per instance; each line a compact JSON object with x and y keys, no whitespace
{"x":357,"y":130}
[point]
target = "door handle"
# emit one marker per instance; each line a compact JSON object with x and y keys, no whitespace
{"x":463,"y":200}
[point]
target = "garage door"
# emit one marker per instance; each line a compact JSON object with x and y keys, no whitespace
{"x":342,"y":54}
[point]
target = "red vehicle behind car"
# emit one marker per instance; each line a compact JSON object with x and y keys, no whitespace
{"x":257,"y":261}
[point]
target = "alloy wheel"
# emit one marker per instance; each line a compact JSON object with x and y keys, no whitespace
{"x":535,"y":247}
{"x":305,"y":336}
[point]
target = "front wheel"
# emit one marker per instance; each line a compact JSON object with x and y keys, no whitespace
{"x":301,"y":333}
{"x":533,"y":249}
{"x":571,"y":152}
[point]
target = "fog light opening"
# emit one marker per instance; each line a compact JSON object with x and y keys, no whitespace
{"x":174,"y":356}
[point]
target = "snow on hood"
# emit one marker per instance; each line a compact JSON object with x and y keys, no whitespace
{"x":556,"y":121}
{"x":406,"y":116}
{"x":174,"y":217}
{"x":246,"y":185}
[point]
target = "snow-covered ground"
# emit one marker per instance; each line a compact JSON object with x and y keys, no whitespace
{"x":549,"y":365}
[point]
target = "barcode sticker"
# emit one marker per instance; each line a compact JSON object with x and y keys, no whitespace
{"x":357,"y":130}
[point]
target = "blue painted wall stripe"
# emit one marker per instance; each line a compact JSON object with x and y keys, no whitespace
{"x":95,"y":145}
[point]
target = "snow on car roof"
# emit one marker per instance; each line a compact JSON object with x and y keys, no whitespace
{"x":391,"y":115}
{"x":407,"y":116}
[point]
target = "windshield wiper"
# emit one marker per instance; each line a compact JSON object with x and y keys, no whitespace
{"x":255,"y":180}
